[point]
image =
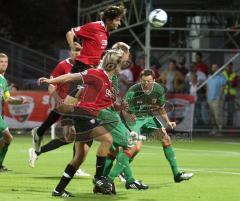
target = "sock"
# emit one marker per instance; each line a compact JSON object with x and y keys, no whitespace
{"x":51,"y":119}
{"x":53,"y":144}
{"x":66,"y":178}
{"x":108,"y":165}
{"x":133,"y":156}
{"x":3,"y":152}
{"x":128,"y":174}
{"x":100,"y":166}
{"x":74,"y":150}
{"x":170,"y":156}
{"x":122,"y":161}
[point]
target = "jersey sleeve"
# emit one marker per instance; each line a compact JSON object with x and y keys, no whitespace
{"x":88,"y":76}
{"x":6,"y":93}
{"x":57,"y":71}
{"x":82,"y":31}
{"x":161,"y":94}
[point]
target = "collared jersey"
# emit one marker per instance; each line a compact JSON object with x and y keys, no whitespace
{"x":94,"y":42}
{"x":63,"y":67}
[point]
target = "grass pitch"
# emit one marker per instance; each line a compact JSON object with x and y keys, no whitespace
{"x":215,"y":163}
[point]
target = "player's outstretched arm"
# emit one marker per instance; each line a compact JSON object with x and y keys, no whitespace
{"x":8,"y":98}
{"x":71,"y":77}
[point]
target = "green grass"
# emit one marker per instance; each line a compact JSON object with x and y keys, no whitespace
{"x":216,"y":165}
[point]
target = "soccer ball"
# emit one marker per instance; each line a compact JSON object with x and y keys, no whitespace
{"x":158,"y":18}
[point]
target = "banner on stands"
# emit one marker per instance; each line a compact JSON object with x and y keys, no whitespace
{"x":30,"y":114}
{"x":183,"y":112}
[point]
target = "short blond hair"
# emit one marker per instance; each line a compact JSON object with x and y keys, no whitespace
{"x":2,"y":55}
{"x":121,"y":45}
{"x":112,"y":59}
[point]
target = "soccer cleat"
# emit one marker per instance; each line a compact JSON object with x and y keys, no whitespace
{"x":97,"y":190}
{"x":4,"y":169}
{"x":32,"y":157}
{"x":136,"y":185}
{"x":122,"y":178}
{"x":103,"y":183}
{"x":64,"y":194}
{"x":81,"y":173}
{"x":36,"y":140}
{"x":182,"y":176}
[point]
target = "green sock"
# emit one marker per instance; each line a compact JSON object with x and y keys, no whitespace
{"x":3,"y":152}
{"x":122,"y":161}
{"x":107,"y":166}
{"x":170,"y":156}
{"x":128,"y":174}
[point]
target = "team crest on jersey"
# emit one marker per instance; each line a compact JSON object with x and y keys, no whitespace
{"x":22,"y":112}
{"x":109,"y":93}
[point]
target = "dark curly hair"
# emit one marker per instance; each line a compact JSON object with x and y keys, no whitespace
{"x":112,"y":12}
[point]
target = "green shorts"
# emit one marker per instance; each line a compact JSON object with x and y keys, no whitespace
{"x":112,"y":122}
{"x":3,"y":126}
{"x":146,"y":124}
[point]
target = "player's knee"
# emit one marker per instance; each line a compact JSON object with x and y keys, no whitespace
{"x":7,"y":137}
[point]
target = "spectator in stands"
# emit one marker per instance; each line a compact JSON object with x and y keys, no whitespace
{"x":181,"y":65}
{"x":230,"y":92}
{"x":192,"y":90}
{"x":125,"y":77}
{"x":201,"y":104}
{"x":136,"y":69}
{"x":215,"y":93}
{"x":155,"y":66}
{"x":201,"y":66}
{"x":172,"y":79}
{"x":193,"y":70}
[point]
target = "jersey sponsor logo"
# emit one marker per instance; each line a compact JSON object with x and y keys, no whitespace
{"x":104,"y":44}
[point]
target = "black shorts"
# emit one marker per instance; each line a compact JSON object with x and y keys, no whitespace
{"x":79,"y":67}
{"x":67,"y":120}
{"x":84,"y":127}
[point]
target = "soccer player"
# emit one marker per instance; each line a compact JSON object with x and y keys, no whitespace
{"x":59,"y":93}
{"x":123,"y":148}
{"x":94,"y":36}
{"x":5,"y":135}
{"x":147,"y":95}
{"x":96,"y":96}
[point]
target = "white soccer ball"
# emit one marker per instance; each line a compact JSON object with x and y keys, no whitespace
{"x":158,"y":18}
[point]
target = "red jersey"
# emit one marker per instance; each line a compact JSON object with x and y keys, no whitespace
{"x":98,"y":92}
{"x":202,"y":67}
{"x":62,"y":68}
{"x":94,"y":41}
